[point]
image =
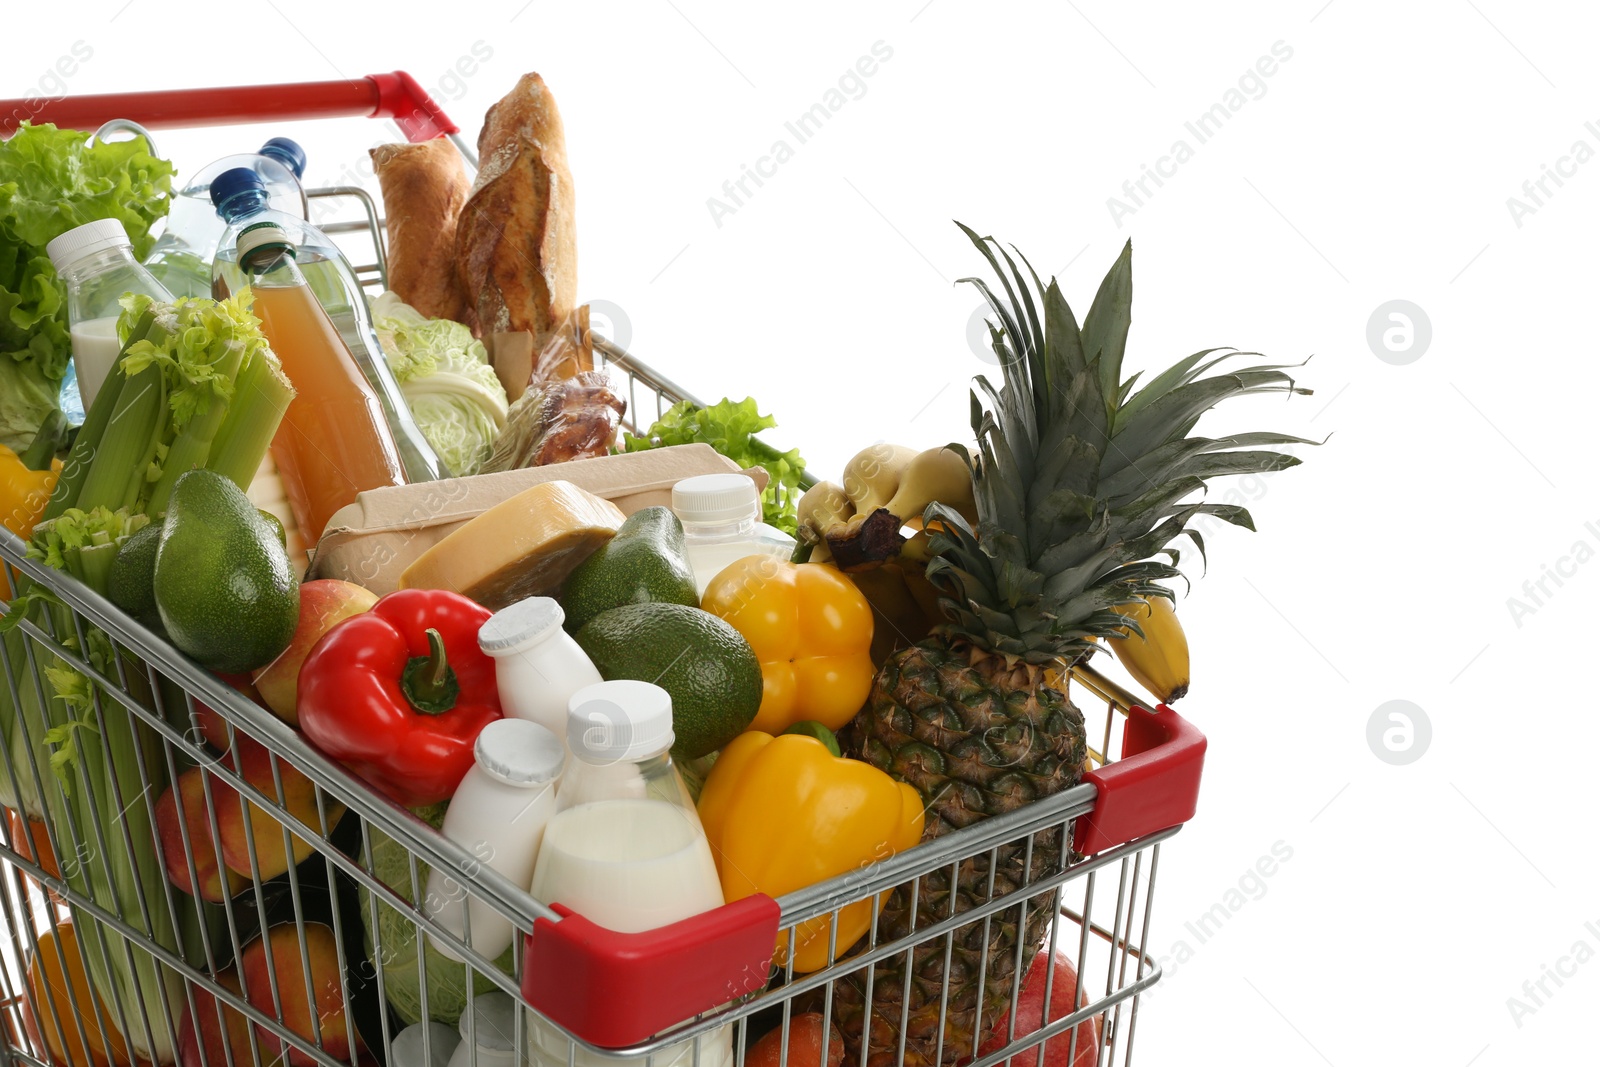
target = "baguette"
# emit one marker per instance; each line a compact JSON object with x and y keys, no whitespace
{"x":516,"y":240}
{"x":424,"y":186}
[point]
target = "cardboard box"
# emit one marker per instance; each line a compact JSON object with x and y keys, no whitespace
{"x":371,"y":541}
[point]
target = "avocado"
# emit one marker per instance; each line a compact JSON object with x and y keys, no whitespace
{"x":130,"y":584}
{"x":702,"y":662}
{"x":223,"y":584}
{"x":646,"y":562}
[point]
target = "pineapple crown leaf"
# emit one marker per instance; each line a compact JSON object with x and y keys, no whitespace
{"x":1082,"y":478}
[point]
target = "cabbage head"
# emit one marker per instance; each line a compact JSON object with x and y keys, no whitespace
{"x":444,"y":372}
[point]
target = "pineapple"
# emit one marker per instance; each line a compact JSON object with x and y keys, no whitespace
{"x":1080,"y":483}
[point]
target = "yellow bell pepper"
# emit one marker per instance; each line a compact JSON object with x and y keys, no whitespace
{"x":810,"y":627}
{"x":783,"y":813}
{"x":27,"y":480}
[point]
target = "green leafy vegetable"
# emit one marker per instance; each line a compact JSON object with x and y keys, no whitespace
{"x":730,"y":428}
{"x":444,"y":372}
{"x":51,"y":181}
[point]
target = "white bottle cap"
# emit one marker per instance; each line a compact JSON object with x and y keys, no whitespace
{"x":716,"y":498}
{"x":260,"y":234}
{"x":406,"y":1050}
{"x":520,"y":626}
{"x":519,"y":752}
{"x":490,"y":1022}
{"x":85,"y":240}
{"x":619,"y":722}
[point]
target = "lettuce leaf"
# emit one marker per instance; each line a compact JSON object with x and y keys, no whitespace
{"x":52,"y":180}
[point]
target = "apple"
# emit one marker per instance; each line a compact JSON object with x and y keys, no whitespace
{"x":212,"y":726}
{"x":1030,"y":1012}
{"x":306,"y":1012}
{"x":215,"y":1029}
{"x":237,"y":824}
{"x":324,"y":603}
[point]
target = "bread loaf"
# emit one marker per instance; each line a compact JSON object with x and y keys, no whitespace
{"x":516,"y":242}
{"x":424,"y":186}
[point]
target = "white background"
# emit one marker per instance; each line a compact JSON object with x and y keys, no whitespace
{"x":1376,"y":165}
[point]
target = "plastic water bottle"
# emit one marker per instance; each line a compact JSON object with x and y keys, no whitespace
{"x":182,"y":257}
{"x":241,"y":199}
{"x":721,"y":516}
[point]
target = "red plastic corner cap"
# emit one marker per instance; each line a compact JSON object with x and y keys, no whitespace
{"x":1155,"y":784}
{"x":615,"y":990}
{"x":401,"y":98}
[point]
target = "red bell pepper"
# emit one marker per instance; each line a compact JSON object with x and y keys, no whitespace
{"x":399,"y":693}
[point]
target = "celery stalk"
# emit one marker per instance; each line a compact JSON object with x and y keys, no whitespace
{"x":261,"y":396}
{"x":125,"y":448}
{"x":87,"y":444}
{"x":192,"y":447}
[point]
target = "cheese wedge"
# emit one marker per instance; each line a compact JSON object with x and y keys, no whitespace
{"x":524,"y":546}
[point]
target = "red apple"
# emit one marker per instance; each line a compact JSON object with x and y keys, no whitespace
{"x":1030,"y":1012}
{"x":306,"y":1012}
{"x":212,"y":726}
{"x":214,"y":1029}
{"x":324,"y":603}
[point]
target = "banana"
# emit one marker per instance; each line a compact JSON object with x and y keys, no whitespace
{"x":823,"y":507}
{"x":873,"y":474}
{"x":1158,"y":661}
{"x":890,"y":487}
{"x":937,"y":474}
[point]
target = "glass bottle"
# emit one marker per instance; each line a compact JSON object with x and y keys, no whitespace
{"x":334,"y":441}
{"x":242,"y":201}
{"x":96,"y":262}
{"x":625,"y":849}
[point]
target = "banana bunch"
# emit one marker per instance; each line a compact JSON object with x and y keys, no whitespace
{"x":886,"y":489}
{"x":861,"y":525}
{"x":1158,"y":661}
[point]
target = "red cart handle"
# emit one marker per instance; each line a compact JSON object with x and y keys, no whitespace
{"x":394,"y":96}
{"x":616,"y":990}
{"x":1155,"y":784}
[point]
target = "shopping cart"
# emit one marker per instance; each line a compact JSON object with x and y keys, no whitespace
{"x":667,"y":998}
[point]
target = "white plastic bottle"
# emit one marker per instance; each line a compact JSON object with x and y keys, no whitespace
{"x":96,"y":262}
{"x":537,"y":664}
{"x":498,"y":814}
{"x":721,"y":523}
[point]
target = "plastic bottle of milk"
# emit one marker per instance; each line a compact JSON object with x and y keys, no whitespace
{"x":498,"y":814}
{"x":721,"y":523}
{"x":626,"y":849}
{"x":537,"y":664}
{"x":96,"y":262}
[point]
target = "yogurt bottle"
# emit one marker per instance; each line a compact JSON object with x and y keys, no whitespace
{"x":498,"y":814}
{"x":538,"y":665}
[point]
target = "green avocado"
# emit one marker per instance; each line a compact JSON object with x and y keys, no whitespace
{"x":223,"y":584}
{"x":645,"y":563}
{"x":130,"y":585}
{"x":702,"y":662}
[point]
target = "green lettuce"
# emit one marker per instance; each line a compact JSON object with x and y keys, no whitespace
{"x":52,"y":180}
{"x":444,"y":372}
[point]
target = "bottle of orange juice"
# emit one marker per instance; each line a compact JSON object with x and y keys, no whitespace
{"x":334,"y":441}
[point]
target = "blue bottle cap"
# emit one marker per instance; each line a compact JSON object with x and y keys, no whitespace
{"x":240,"y":187}
{"x":287,"y":152}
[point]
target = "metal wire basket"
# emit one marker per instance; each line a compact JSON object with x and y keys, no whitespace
{"x":345,"y":931}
